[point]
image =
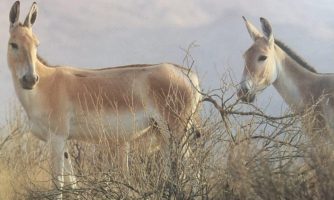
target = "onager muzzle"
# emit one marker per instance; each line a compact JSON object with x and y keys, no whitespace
{"x":28,"y":82}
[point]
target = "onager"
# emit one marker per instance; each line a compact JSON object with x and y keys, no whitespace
{"x":64,"y":103}
{"x":269,"y":61}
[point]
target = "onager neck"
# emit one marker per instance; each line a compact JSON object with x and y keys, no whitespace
{"x":43,"y":69}
{"x":294,"y":82}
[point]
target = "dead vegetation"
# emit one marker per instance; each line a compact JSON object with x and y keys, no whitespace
{"x":242,"y":154}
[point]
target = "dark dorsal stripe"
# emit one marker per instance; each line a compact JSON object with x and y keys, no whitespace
{"x":87,"y":74}
{"x":124,"y":66}
{"x":294,"y":56}
{"x":43,"y":61}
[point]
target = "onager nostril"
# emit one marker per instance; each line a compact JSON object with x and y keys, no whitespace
{"x":242,"y":91}
{"x":24,"y":79}
{"x":30,"y":79}
{"x":36,"y":78}
{"x":245,"y":90}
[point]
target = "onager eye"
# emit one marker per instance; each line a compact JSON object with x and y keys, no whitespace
{"x":262,"y":58}
{"x":14,"y":45}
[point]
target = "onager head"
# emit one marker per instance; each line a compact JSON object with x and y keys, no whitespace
{"x":22,"y":47}
{"x":260,"y":67}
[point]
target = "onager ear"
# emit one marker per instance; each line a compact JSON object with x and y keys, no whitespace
{"x":14,"y":14}
{"x":252,"y":30}
{"x":31,"y":17}
{"x":267,"y":30}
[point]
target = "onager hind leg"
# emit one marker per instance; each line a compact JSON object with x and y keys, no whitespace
{"x":120,"y":148}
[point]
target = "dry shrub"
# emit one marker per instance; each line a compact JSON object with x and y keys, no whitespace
{"x":242,"y":154}
{"x":23,"y":164}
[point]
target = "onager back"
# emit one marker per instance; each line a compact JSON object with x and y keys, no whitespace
{"x":120,"y":103}
{"x":270,"y":62}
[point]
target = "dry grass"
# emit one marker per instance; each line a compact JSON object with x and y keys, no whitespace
{"x":241,"y":154}
{"x":23,"y":163}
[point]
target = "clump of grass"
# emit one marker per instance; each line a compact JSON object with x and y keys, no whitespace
{"x":242,"y":154}
{"x":23,"y":164}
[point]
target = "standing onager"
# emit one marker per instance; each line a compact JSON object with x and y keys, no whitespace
{"x":269,"y":61}
{"x":70,"y":103}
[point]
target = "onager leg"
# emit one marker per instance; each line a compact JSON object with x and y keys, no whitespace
{"x":69,"y":172}
{"x":57,"y":144}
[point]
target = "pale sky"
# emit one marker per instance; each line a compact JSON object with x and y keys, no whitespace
{"x":103,"y":33}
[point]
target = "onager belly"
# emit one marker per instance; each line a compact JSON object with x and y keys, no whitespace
{"x":121,"y":127}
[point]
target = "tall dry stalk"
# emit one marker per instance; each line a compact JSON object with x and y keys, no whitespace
{"x":242,"y":153}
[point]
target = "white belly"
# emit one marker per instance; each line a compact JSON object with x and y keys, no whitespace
{"x":96,"y":128}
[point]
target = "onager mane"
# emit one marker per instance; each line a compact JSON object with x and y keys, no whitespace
{"x":116,"y":105}
{"x":295,"y":56}
{"x":43,"y":61}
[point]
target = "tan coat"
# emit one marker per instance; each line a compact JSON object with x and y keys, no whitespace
{"x":119,"y":103}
